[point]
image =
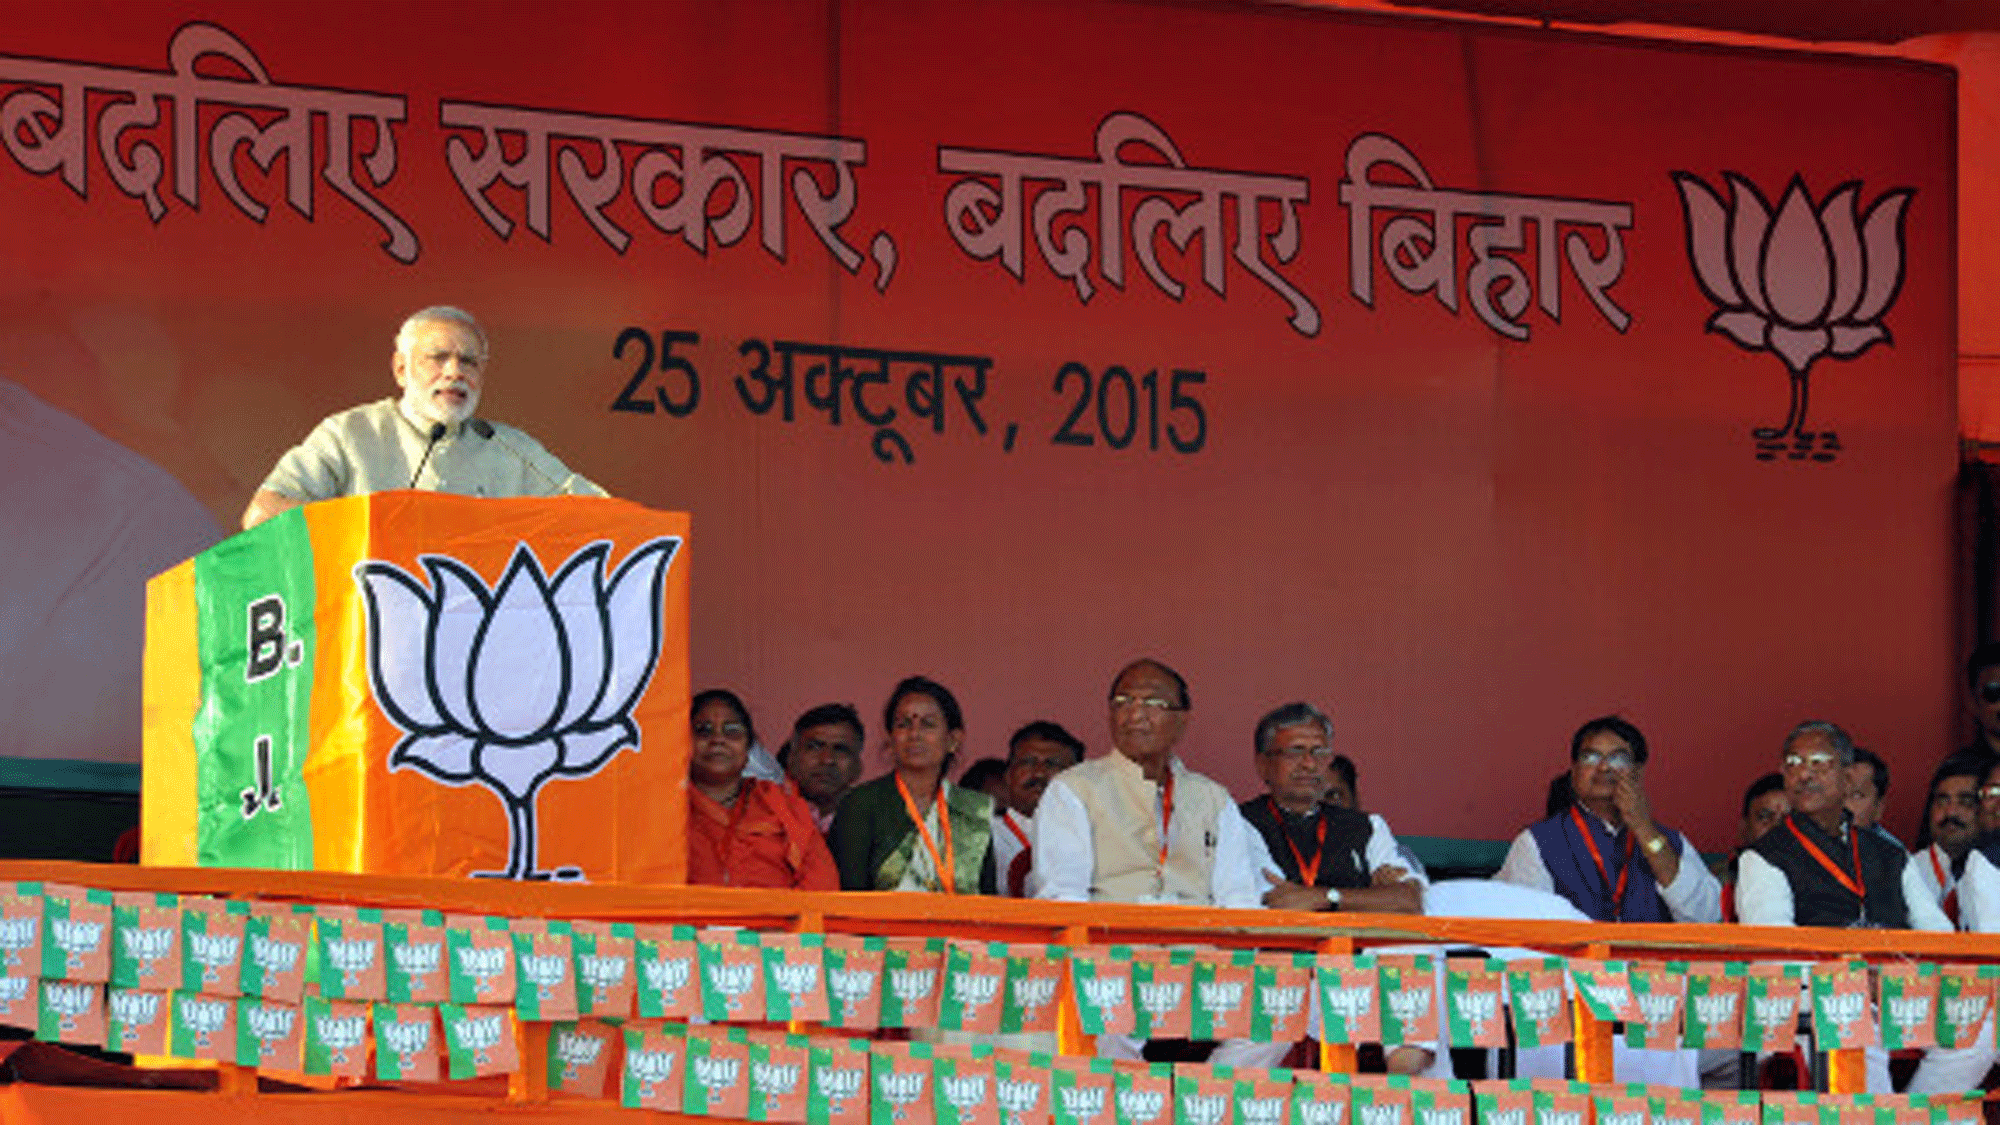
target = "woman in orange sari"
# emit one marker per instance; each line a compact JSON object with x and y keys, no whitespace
{"x":744,"y":832}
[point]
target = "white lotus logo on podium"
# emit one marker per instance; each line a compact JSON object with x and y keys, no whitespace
{"x":512,"y":686}
{"x":1803,"y":282}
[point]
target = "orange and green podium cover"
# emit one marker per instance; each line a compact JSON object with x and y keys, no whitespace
{"x":420,"y":684}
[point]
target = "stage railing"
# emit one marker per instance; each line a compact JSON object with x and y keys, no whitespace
{"x":1073,"y":925}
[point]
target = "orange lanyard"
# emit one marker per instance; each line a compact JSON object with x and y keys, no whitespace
{"x":1950,"y":900}
{"x":946,"y":868}
{"x":1943,"y":876}
{"x":1008,"y":820}
{"x":1857,"y":886}
{"x":1308,"y":872}
{"x":1597,"y":857}
{"x":1166,"y":813}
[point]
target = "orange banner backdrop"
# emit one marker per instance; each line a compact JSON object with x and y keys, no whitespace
{"x":1468,"y":381}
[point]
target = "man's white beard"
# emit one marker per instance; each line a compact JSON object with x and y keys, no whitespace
{"x":422,"y":404}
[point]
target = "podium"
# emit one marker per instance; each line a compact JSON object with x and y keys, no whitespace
{"x":414,"y":683}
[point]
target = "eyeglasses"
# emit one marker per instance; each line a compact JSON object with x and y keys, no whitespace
{"x":706,"y":729}
{"x":1318,"y":754}
{"x":1990,"y":793}
{"x":1151,"y":703}
{"x":1616,"y":760}
{"x":1818,"y":760}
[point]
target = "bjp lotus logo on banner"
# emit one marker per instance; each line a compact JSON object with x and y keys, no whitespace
{"x":1802,"y":281}
{"x":512,"y":686}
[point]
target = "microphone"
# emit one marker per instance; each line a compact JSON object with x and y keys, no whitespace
{"x":485,"y":430}
{"x":437,"y":431}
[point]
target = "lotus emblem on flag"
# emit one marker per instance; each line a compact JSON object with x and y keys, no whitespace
{"x":1033,"y":993}
{"x":668,"y":976}
{"x":1541,"y":1004}
{"x":1203,"y":1109}
{"x":1455,"y":1115}
{"x":1160,"y":998}
{"x":1082,"y":1101}
{"x":1016,"y":1097}
{"x":478,"y":1033}
{"x":850,"y":986}
{"x":417,"y":959}
{"x":963,"y":1093}
{"x":406,"y":1037}
{"x":273,"y":956}
{"x":147,"y":943}
{"x":1658,"y":1007}
{"x":544,"y":970}
{"x":600,"y":972}
{"x":717,"y":1074}
{"x":16,"y":935}
{"x":576,"y":1049}
{"x":1391,"y":1114}
{"x":1409,"y":1004}
{"x":14,"y":989}
{"x":76,"y":938}
{"x":68,"y":1000}
{"x":482,"y":963}
{"x":1282,"y":1001}
{"x":213,"y":952}
{"x":138,"y":1008}
{"x":202,"y":1017}
{"x":1330,"y":1113}
{"x":837,"y":1084}
{"x":899,"y":1088}
{"x":974,"y":989}
{"x":1721,"y":1008}
{"x":1221,"y":995}
{"x":1260,"y":1111}
{"x":270,"y":1022}
{"x":510,"y":687}
{"x":651,"y":1068}
{"x":775,"y":1079}
{"x":341,"y":1033}
{"x":1141,"y":1105}
{"x":1801,"y":282}
{"x":350,"y":956}
{"x":1904,"y":1011}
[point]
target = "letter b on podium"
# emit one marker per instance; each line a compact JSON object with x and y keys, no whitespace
{"x":414,"y":683}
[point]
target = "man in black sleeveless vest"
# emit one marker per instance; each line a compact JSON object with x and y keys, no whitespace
{"x":1332,"y":858}
{"x":1604,"y":853}
{"x":1812,"y":869}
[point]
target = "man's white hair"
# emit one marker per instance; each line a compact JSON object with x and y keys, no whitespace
{"x":406,"y":336}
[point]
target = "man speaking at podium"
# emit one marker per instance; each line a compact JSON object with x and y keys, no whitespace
{"x":429,"y":438}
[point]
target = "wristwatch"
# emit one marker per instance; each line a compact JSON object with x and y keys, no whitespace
{"x":1656,"y":845}
{"x":1333,"y":897}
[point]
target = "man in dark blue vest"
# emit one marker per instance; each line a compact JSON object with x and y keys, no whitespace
{"x":1605,"y":853}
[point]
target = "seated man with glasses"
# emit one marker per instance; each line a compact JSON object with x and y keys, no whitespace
{"x":1604,"y":853}
{"x":1136,"y":825}
{"x":1814,"y":868}
{"x":1330,"y":858}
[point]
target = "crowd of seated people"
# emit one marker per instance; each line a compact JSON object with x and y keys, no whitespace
{"x":1138,"y":825}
